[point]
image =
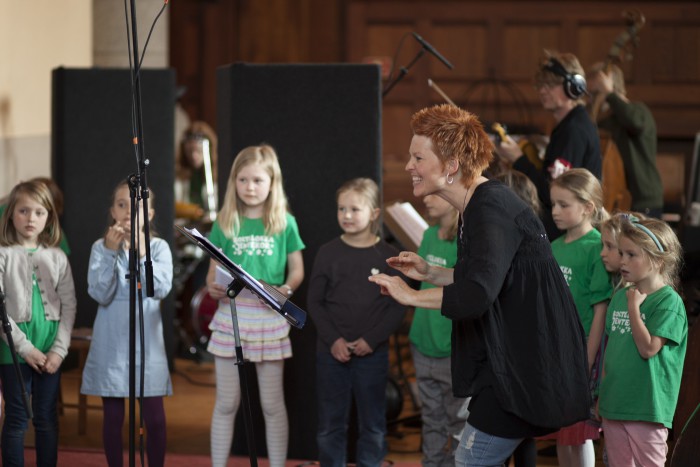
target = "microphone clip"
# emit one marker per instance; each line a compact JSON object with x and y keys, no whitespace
{"x":425,"y":47}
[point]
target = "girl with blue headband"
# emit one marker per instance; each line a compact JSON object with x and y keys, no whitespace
{"x":647,"y":331}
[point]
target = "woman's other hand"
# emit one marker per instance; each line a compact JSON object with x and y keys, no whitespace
{"x":410,"y":265}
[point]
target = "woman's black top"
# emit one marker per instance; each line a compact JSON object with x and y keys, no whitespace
{"x":518,"y":347}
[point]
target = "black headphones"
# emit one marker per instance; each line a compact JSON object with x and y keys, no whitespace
{"x":574,"y":84}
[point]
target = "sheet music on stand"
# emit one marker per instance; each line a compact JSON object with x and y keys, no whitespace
{"x":264,"y":291}
{"x":406,"y":224}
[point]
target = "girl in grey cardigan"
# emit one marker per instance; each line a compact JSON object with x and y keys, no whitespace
{"x":40,"y":301}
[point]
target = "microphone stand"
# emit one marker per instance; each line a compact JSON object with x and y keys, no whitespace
{"x":7,"y":327}
{"x":139,"y":146}
{"x":134,"y":277}
{"x":403,"y":72}
{"x":232,"y":291}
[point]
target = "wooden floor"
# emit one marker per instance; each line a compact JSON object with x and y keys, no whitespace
{"x":189,"y":415}
{"x":188,"y":412}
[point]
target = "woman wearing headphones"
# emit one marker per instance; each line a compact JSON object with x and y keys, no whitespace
{"x":574,"y":142}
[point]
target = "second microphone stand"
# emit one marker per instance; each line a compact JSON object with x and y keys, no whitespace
{"x":7,"y":328}
{"x":403,"y":72}
{"x":232,"y":291}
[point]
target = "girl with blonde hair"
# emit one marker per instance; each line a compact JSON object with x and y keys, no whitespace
{"x":255,"y":230}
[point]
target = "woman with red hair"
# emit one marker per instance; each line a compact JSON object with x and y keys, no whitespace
{"x":518,"y":348}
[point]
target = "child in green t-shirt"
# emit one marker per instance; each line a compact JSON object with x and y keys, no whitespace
{"x":431,"y":336}
{"x":647,"y":332}
{"x":577,"y":205}
{"x":610,"y":253}
{"x":255,"y":230}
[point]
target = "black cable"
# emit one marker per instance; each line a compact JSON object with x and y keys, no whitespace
{"x":153,"y":25}
{"x":131,"y":78}
{"x":396,"y":56}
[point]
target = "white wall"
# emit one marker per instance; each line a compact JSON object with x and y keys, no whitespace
{"x":36,"y":36}
{"x":109,"y":33}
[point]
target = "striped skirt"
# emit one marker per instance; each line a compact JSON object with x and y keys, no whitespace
{"x":264,"y":332}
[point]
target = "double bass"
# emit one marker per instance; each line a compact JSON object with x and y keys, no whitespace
{"x":616,"y":196}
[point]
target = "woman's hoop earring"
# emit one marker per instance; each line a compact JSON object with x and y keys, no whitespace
{"x":450,"y":179}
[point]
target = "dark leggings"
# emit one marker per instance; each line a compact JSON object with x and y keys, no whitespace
{"x":154,"y":418}
{"x":525,"y":455}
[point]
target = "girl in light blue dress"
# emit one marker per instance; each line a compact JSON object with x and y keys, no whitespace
{"x":106,"y":372}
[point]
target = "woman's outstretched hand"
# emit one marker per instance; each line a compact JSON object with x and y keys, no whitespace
{"x":395,"y":287}
{"x":410,"y":265}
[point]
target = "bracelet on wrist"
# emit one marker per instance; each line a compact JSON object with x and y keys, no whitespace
{"x":290,"y":291}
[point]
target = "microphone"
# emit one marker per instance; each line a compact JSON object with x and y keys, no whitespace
{"x":432,"y":50}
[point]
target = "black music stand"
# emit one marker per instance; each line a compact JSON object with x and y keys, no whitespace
{"x":7,"y":328}
{"x":265,"y":292}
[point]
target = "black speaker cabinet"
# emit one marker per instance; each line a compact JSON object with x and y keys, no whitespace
{"x":324,"y":121}
{"x":92,"y":151}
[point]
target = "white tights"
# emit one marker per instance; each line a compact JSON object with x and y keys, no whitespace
{"x":228,"y":399}
{"x":581,"y":455}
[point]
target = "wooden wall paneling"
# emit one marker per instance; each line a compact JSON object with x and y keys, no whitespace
{"x":395,"y":125}
{"x":207,"y":34}
{"x":484,"y":39}
{"x":640,"y":67}
{"x":599,"y":38}
{"x":569,"y":27}
{"x":676,"y":52}
{"x":531,"y":38}
{"x":668,"y":72}
{"x":327,"y":31}
{"x":494,"y":50}
{"x":504,"y":41}
{"x":184,"y":42}
{"x":274,"y":31}
{"x":464,"y":44}
{"x":201,"y":38}
{"x":391,"y":40}
{"x":220,"y":28}
{"x":671,"y":166}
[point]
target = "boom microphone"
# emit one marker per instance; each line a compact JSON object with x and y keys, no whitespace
{"x":432,"y":50}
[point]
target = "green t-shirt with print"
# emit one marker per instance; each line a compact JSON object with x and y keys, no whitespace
{"x":584,"y":272}
{"x":431,"y":332}
{"x":638,"y":389}
{"x":262,"y":256}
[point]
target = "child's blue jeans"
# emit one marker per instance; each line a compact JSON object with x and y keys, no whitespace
{"x":44,"y":388}
{"x":365,"y":378}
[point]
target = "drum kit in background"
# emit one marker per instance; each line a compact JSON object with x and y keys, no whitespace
{"x":194,"y":306}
